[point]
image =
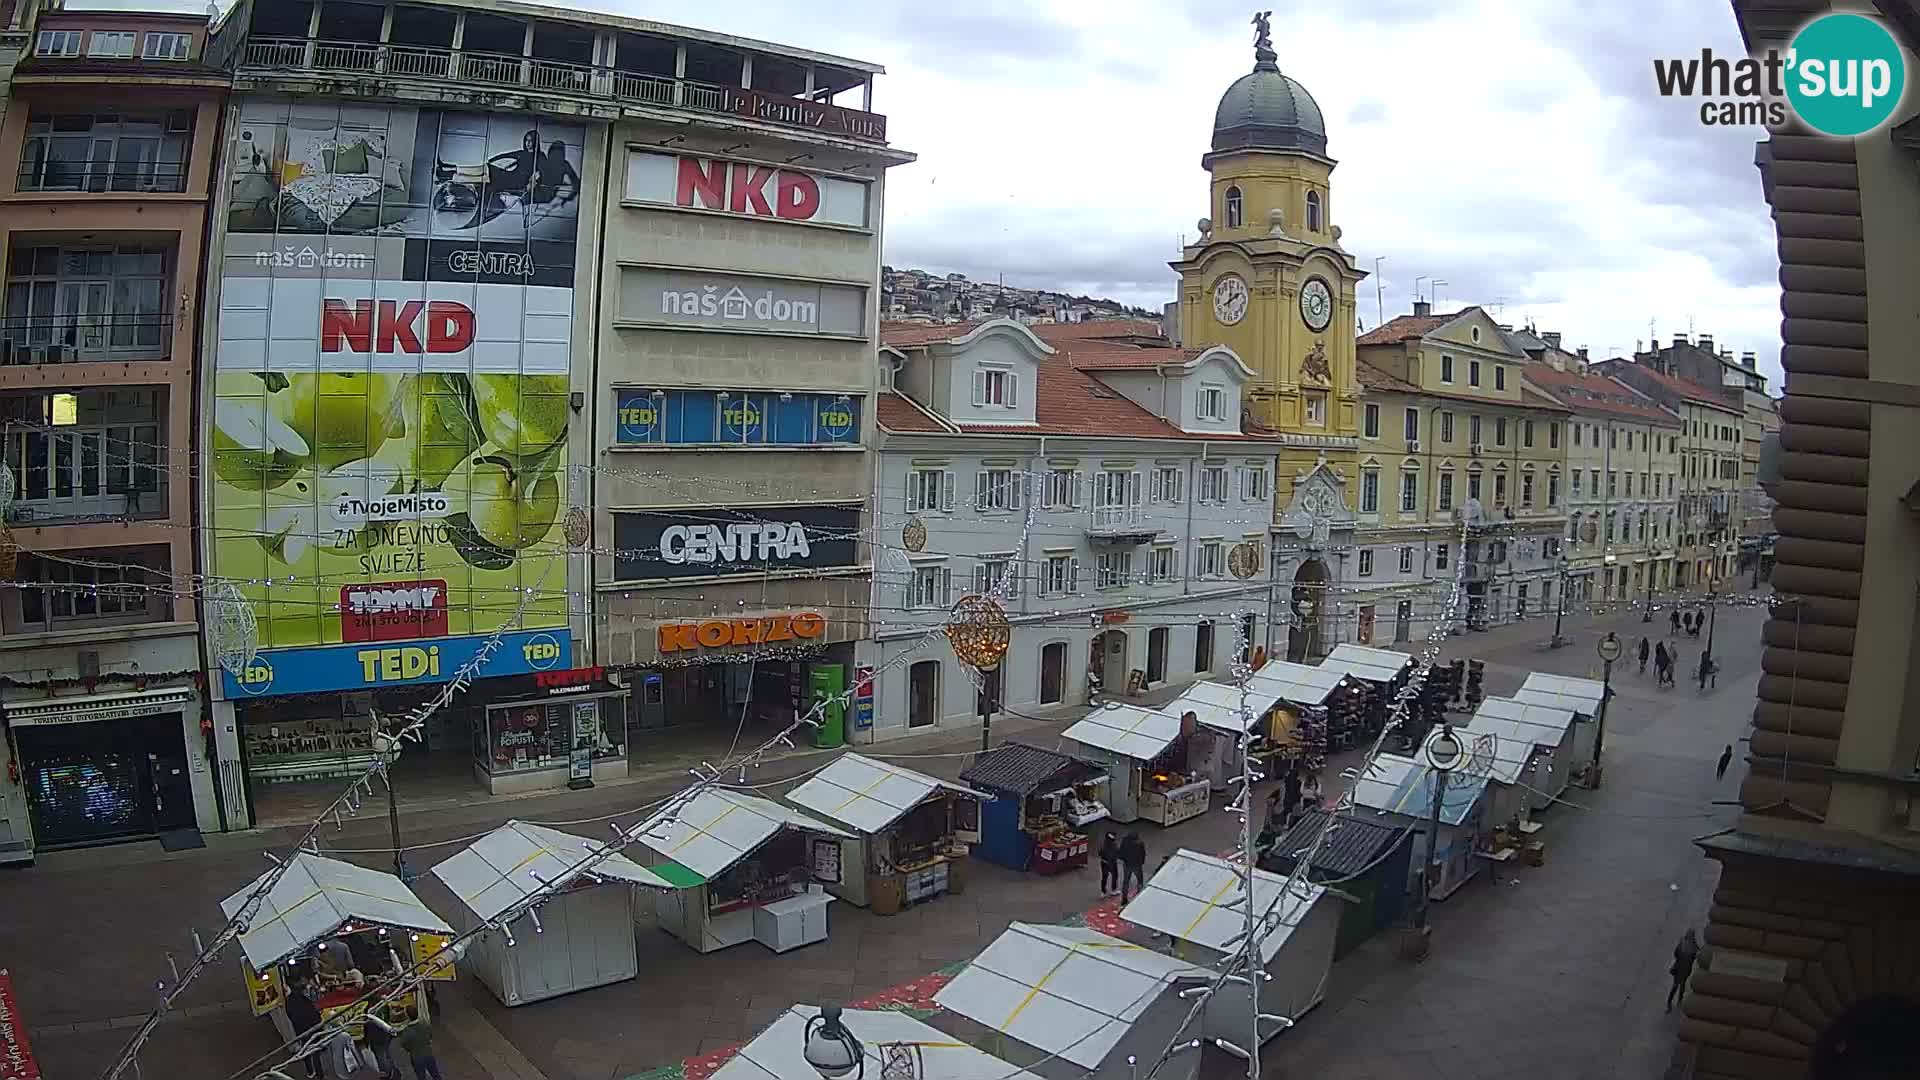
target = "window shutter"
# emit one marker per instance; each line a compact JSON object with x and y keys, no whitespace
{"x":1134,"y":487}
{"x":1156,"y":489}
{"x":979,"y":387}
{"x":1073,"y":576}
{"x":980,"y":490}
{"x":912,"y":489}
{"x":1078,"y":487}
{"x":1013,"y":389}
{"x":979,"y":577}
{"x":946,"y":587}
{"x":1016,"y":490}
{"x":946,"y":489}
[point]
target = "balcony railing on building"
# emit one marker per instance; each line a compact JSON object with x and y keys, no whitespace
{"x":150,"y":177}
{"x":584,"y":80}
{"x":73,"y":339}
{"x":105,"y":152}
{"x":95,"y":471}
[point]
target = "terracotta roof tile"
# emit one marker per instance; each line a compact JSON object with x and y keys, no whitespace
{"x":897,"y":414}
{"x":1380,"y":380}
{"x":1105,"y":356}
{"x":1401,"y":327}
{"x":1585,"y":392}
{"x":907,"y":335}
{"x":1094,"y":329}
{"x":1679,"y":387}
{"x":1375,"y":379}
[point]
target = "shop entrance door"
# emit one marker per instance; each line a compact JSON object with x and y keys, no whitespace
{"x":923,"y":693}
{"x":1053,"y":673}
{"x":95,"y":781}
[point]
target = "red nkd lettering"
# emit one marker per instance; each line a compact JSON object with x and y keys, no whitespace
{"x":749,"y":194}
{"x":390,"y":326}
{"x":796,"y":196}
{"x":701,"y":184}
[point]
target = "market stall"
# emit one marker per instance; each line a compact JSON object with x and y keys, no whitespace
{"x":580,"y":938}
{"x":1398,"y":791}
{"x":1374,"y":676}
{"x":742,"y":869}
{"x":1040,"y":801}
{"x":1578,"y":696}
{"x":910,"y":830}
{"x":1223,"y":714}
{"x":1149,"y":753}
{"x":1549,"y":727}
{"x":343,"y":928}
{"x":1506,"y":756}
{"x":888,"y":1040}
{"x":1296,"y":729}
{"x":1186,"y":900}
{"x":1369,"y":860}
{"x":1071,"y":1002}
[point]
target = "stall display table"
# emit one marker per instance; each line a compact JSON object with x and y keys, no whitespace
{"x":1061,"y":853}
{"x":793,"y":922}
{"x":1175,"y":805}
{"x":925,"y":882}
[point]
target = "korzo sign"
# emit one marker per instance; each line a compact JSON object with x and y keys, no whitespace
{"x":734,"y":540}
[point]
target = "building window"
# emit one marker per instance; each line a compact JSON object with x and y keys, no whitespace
{"x":1213,"y":403}
{"x":166,"y":46}
{"x":1116,"y":489}
{"x":1613,"y":484}
{"x":1573,"y":528}
{"x":1473,"y":373}
{"x":1446,"y":489}
{"x":1576,"y":479}
{"x":58,"y":43}
{"x":931,"y":587}
{"x":1313,"y":211}
{"x":1499,"y":431}
{"x":1169,"y":485}
{"x":1526,"y":488}
{"x":1593,"y":476}
{"x":1411,"y":425}
{"x":1370,"y":491}
{"x":1446,"y":427}
{"x":1499,"y":489}
{"x":1406,"y":560}
{"x":1366,"y":562}
{"x":1576,"y":434}
{"x":66,"y":304}
{"x":997,"y":489}
{"x":1370,"y":421}
{"x":1446,"y":368}
{"x":929,"y":489}
{"x":1499,"y":376}
{"x":1212,"y":562}
{"x":1063,"y":489}
{"x":1235,"y":212}
{"x":1439,"y":556}
{"x":1213,"y":484}
{"x":1253,"y":483}
{"x":1409,"y":492}
{"x":1553,"y":489}
{"x":1203,"y":647}
{"x":1553,"y":435}
{"x":1473,"y":430}
{"x":991,"y":575}
{"x":1613,"y":439}
{"x":1160,"y":563}
{"x":1113,"y":569}
{"x":1473,"y":483}
{"x":1550,"y":547}
{"x":1316,"y":406}
{"x":86,"y":453}
{"x":111,"y":44}
{"x":1062,"y":575}
{"x":96,"y":588}
{"x":1526,"y":433}
{"x":996,"y":386}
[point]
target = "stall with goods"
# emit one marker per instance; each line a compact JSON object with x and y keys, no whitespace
{"x":910,"y":831}
{"x":1149,"y":755}
{"x":1039,"y":801}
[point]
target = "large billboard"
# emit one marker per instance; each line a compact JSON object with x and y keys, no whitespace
{"x":391,"y":390}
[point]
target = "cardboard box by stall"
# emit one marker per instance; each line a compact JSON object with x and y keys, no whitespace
{"x":1185,"y":900}
{"x":1580,"y":697}
{"x":348,"y":928}
{"x":1149,"y":754}
{"x":911,"y":831}
{"x":893,"y":1043}
{"x":1399,"y":791}
{"x":742,"y":869}
{"x":1072,"y":1002}
{"x":584,"y":934}
{"x":1041,"y":799}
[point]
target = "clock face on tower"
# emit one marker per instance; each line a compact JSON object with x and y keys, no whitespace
{"x":1230,"y":299}
{"x":1316,"y":304}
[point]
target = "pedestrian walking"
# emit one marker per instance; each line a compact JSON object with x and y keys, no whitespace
{"x":1110,"y":865}
{"x":417,"y":1040}
{"x":1684,"y":955}
{"x":1663,"y":664}
{"x":303,"y":1015}
{"x":1726,"y":759}
{"x":1133,"y":865}
{"x":1673,"y":619}
{"x":1708,"y":671}
{"x":1290,"y":798}
{"x":379,"y":1035}
{"x":1310,"y":792}
{"x":1644,"y":650}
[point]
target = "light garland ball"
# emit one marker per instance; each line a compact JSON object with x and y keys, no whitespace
{"x":913,"y":536}
{"x":579,"y":526}
{"x":978,"y":632}
{"x":233,"y":631}
{"x":1243,"y":560}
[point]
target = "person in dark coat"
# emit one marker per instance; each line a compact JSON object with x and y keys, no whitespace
{"x":379,"y":1036}
{"x":1726,"y":759}
{"x":1663,"y":664}
{"x":1109,"y":864}
{"x":1290,"y":798}
{"x":1133,"y":863}
{"x":1644,"y":650}
{"x":303,"y":1015}
{"x":1673,"y":618}
{"x":417,"y":1040}
{"x":1684,"y":955}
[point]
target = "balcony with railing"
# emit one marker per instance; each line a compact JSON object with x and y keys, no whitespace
{"x":71,"y":304}
{"x":1120,"y":524}
{"x":105,"y":153}
{"x":80,"y":338}
{"x":91,"y":472}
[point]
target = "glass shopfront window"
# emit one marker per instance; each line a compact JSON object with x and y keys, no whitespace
{"x":531,"y":735}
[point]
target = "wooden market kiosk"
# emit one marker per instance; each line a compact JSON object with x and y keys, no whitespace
{"x":742,"y":869}
{"x":1149,"y":754}
{"x":580,"y":938}
{"x":1039,"y":799}
{"x":346,"y":927}
{"x":1579,"y":696}
{"x":911,"y":831}
{"x":1398,"y":791}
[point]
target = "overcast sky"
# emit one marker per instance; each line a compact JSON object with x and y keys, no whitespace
{"x":1514,"y":148}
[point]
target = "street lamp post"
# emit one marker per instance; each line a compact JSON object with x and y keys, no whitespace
{"x":989,"y":683}
{"x":1560,"y":611}
{"x":1443,"y":752}
{"x":1647,"y":616}
{"x":1609,"y":649}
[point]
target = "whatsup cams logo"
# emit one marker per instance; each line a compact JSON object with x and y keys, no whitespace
{"x":1842,"y":75}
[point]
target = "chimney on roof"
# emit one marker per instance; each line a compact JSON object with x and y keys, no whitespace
{"x":1679,"y":340}
{"x":1422,"y":308}
{"x":1747,"y":361}
{"x":1552,"y":338}
{"x":1583,"y":354}
{"x":1706,"y":343}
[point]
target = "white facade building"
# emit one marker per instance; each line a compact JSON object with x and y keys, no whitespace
{"x":1102,"y":511}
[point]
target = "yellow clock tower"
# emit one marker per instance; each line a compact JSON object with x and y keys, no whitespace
{"x":1268,"y":277}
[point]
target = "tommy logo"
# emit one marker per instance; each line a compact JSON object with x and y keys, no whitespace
{"x":388,"y":326}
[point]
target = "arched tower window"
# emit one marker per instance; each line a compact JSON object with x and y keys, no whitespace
{"x":1313,"y":211}
{"x":1234,"y":214}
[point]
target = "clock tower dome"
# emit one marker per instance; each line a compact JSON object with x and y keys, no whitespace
{"x":1267,"y":276}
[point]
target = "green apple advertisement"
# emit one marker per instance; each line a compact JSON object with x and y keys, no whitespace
{"x":391,"y":391}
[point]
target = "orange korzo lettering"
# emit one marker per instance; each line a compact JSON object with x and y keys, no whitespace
{"x":747,"y":631}
{"x":809,"y":624}
{"x":782,"y":629}
{"x":677,"y":636}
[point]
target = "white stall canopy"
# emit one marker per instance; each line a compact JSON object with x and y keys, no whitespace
{"x":1398,"y":785}
{"x":779,"y":1052}
{"x":1298,"y":684}
{"x":718,"y":828}
{"x":1546,"y":725}
{"x":1066,"y":991}
{"x":508,"y":864}
{"x":1362,"y":662}
{"x":1218,"y":705}
{"x":868,"y":795}
{"x":1188,"y":899}
{"x":1562,"y":692}
{"x":1127,"y":730}
{"x":1508,"y":751}
{"x":315,"y":897}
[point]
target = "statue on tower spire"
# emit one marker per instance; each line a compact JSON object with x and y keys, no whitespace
{"x":1263,"y":53}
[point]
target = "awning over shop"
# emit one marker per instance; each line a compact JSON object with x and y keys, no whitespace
{"x":1187,"y":897}
{"x":1022,"y":770}
{"x":1218,"y":705}
{"x":315,"y":897}
{"x":1362,"y":662}
{"x":1299,"y":684}
{"x":779,"y":1052}
{"x":1127,"y":730}
{"x":505,"y":866}
{"x":1562,"y":692}
{"x":717,"y":829}
{"x":1066,"y":991}
{"x":868,"y":795}
{"x":1398,"y":785}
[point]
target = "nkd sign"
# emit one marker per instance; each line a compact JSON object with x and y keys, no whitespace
{"x":716,"y":302}
{"x":748,"y":189}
